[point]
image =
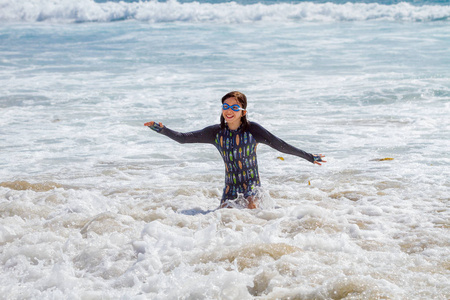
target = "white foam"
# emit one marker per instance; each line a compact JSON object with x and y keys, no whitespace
{"x":195,"y":12}
{"x":95,"y":205}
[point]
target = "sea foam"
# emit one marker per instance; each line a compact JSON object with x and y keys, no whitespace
{"x":231,"y":12}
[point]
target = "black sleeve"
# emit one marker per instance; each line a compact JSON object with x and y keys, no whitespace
{"x":261,"y":135}
{"x":206,"y":135}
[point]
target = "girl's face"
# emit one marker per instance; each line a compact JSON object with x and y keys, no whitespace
{"x":233,"y":118}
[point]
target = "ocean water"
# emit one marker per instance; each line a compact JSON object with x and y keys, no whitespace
{"x":94,"y":205}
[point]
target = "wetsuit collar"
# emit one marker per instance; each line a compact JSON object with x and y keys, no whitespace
{"x":239,"y":128}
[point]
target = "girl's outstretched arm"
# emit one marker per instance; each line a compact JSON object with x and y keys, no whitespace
{"x":263,"y":136}
{"x":206,"y":135}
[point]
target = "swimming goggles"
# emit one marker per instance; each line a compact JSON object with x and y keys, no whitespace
{"x":233,"y":107}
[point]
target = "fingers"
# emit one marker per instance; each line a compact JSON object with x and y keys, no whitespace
{"x":154,"y":126}
{"x":152,"y":123}
{"x":318,"y":159}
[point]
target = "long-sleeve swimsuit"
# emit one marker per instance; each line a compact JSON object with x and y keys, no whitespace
{"x":238,"y":150}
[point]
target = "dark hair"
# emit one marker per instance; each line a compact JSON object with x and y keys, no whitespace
{"x":242,"y":100}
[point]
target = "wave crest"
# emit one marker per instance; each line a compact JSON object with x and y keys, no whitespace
{"x":195,"y":12}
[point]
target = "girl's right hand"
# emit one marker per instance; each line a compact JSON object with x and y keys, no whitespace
{"x":154,"y":126}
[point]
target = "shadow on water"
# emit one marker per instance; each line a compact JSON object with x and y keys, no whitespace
{"x":196,"y":211}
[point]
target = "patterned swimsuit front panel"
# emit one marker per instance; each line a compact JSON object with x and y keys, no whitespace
{"x":238,"y":150}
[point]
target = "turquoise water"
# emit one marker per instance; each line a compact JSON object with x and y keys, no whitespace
{"x":95,"y":205}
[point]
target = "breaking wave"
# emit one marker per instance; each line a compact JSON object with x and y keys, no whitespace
{"x":69,"y":11}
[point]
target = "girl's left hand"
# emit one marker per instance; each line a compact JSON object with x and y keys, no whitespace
{"x":318,"y":159}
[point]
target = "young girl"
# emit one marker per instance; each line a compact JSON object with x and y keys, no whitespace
{"x":236,"y":139}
